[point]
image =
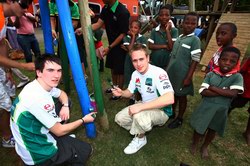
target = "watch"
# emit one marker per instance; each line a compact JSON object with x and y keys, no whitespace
{"x":65,"y":105}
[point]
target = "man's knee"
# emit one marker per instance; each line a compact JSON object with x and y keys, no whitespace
{"x":120,"y":117}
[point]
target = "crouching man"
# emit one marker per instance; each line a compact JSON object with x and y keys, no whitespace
{"x":40,"y":137}
{"x":157,"y":94}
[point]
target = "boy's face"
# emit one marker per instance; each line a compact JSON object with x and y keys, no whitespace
{"x":140,"y":61}
{"x":224,"y":35}
{"x":134,"y":28}
{"x":228,"y":61}
{"x":164,"y":16}
{"x":50,"y":76}
{"x":189,"y":24}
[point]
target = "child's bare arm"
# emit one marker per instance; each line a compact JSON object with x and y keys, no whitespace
{"x":187,"y":81}
{"x":170,"y":42}
{"x":224,"y":92}
{"x":209,"y":93}
{"x":152,"y":46}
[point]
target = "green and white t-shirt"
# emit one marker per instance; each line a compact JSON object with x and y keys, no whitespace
{"x":32,"y":114}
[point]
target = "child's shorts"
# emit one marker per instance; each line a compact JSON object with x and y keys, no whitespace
{"x":5,"y":101}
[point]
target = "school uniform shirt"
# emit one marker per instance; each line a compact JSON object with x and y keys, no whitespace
{"x":185,"y":49}
{"x":212,"y":111}
{"x":32,"y":114}
{"x":74,"y":10}
{"x":160,"y":57}
{"x":116,"y":20}
{"x":140,"y":39}
{"x":151,"y":85}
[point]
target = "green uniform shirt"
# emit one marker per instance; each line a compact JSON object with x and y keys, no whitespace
{"x":74,"y":10}
{"x":186,"y":48}
{"x":161,"y":57}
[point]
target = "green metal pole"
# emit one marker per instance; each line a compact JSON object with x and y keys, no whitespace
{"x":65,"y":62}
{"x":92,"y":62}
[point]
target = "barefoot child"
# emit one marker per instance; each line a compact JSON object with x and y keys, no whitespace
{"x":217,"y":90}
{"x":184,"y":59}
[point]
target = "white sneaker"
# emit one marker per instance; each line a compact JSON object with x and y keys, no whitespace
{"x":135,"y":145}
{"x":22,"y":83}
{"x":8,"y":143}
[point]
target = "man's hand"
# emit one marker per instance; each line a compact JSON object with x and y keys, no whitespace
{"x":134,"y":109}
{"x":89,"y":117}
{"x":64,"y":113}
{"x":116,"y":91}
{"x":78,"y":31}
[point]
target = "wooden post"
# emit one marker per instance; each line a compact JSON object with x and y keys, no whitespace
{"x":212,"y":21}
{"x":92,"y":62}
{"x":191,"y":5}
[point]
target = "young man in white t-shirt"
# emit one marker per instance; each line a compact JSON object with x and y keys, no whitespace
{"x":157,"y":93}
{"x":40,"y":137}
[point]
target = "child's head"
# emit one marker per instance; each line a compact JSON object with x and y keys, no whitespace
{"x":190,"y":22}
{"x":225,"y":34}
{"x":135,"y":26}
{"x":229,"y":58}
{"x":165,"y":14}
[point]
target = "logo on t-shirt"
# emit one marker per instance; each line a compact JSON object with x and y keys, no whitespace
{"x":149,"y":90}
{"x":148,"y":82}
{"x":137,"y":82}
{"x":163,"y":77}
{"x":48,"y":107}
{"x":166,"y":85}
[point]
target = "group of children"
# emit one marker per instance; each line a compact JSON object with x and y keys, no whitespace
{"x":179,"y":56}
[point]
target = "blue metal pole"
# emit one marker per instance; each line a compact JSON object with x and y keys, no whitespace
{"x":75,"y":63}
{"x":47,"y":35}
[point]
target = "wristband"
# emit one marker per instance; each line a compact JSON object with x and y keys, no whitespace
{"x":109,"y":47}
{"x":65,"y":105}
{"x":82,"y":120}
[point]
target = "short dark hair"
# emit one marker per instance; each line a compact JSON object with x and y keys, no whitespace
{"x":191,"y":14}
{"x":137,"y":47}
{"x":136,"y":21}
{"x":42,"y":59}
{"x":168,"y":7}
{"x":230,"y":49}
{"x":233,"y":27}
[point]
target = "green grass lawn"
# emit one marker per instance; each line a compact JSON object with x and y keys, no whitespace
{"x":165,"y":146}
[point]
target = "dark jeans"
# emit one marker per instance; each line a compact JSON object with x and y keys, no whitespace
{"x":71,"y":151}
{"x":28,"y":43}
